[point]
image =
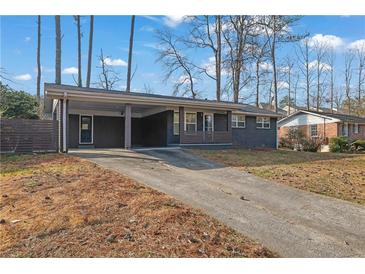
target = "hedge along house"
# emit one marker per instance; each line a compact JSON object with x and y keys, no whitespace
{"x":96,"y":118}
{"x":323,"y":125}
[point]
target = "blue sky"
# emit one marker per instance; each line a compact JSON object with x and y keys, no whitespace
{"x":111,"y":33}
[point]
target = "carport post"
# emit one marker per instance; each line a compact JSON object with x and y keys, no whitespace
{"x":127,"y":126}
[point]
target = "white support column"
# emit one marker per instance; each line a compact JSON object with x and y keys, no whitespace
{"x":64,"y":126}
{"x":128,"y":126}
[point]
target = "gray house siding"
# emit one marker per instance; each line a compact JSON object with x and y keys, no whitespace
{"x":252,"y":137}
{"x":171,"y":138}
{"x":108,"y":131}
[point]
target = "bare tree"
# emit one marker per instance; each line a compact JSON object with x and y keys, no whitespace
{"x":108,"y":78}
{"x":89,"y":57}
{"x":260,"y":53}
{"x":58,"y":49}
{"x":331,"y":62}
{"x":278,"y":30}
{"x":338,"y":98}
{"x":320,"y":51}
{"x":79,"y":34}
{"x":348,"y":77}
{"x":171,"y":57}
{"x":129,"y":72}
{"x":206,"y":32}
{"x":39,"y":58}
{"x":359,"y":52}
{"x":288,"y":70}
{"x":237,"y":35}
{"x":304,"y":53}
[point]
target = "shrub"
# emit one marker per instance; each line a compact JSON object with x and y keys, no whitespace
{"x":339,"y":144}
{"x":17,"y":104}
{"x":358,"y":144}
{"x":311,"y":145}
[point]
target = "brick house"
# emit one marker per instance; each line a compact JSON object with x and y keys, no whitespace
{"x":322,"y":125}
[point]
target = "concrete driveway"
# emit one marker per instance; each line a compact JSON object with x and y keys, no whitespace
{"x":292,"y":222}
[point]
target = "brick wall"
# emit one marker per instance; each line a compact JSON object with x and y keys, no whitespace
{"x":329,"y":131}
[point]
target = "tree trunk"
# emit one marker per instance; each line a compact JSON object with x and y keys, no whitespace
{"x":89,"y":57}
{"x":332,"y":87}
{"x":218,"y":63}
{"x":257,"y":83}
{"x":274,"y":74}
{"x":79,"y":79}
{"x":318,"y":84}
{"x":130,"y":55}
{"x":289,"y":89}
{"x":58,"y":50}
{"x":39,"y":72}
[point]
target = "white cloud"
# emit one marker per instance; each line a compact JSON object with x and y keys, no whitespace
{"x":115,"y":62}
{"x":266,"y":66}
{"x":185,"y":79}
{"x":147,"y":29}
{"x":209,"y":67}
{"x":23,"y":77}
{"x":27,"y":39}
{"x":328,"y":40}
{"x":173,"y":21}
{"x":70,"y":70}
{"x":324,"y":66}
{"x":357,"y":45}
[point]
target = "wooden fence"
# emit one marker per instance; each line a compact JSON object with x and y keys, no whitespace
{"x":27,"y":136}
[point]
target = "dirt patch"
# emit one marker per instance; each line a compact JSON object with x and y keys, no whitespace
{"x":333,"y":174}
{"x":61,"y":206}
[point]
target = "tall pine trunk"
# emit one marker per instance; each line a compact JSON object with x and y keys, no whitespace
{"x":39,"y":59}
{"x":89,"y":57}
{"x":58,"y":49}
{"x":79,"y":75}
{"x":130,"y":55}
{"x":218,"y":57}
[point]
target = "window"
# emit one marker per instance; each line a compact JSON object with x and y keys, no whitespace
{"x":86,"y":129}
{"x":355,"y":128}
{"x":190,"y":122}
{"x":314,"y":131}
{"x":263,"y":122}
{"x":176,"y":123}
{"x":345,"y":129}
{"x":238,"y":121}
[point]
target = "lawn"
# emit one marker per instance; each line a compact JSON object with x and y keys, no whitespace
{"x":333,"y":174}
{"x":61,"y":206}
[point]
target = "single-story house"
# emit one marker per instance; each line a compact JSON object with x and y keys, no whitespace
{"x":323,"y":125}
{"x":96,"y":118}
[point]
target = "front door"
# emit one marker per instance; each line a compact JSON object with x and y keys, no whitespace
{"x":86,"y":131}
{"x":208,"y":128}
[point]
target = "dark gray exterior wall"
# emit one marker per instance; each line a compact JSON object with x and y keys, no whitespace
{"x":171,"y":138}
{"x":108,"y":131}
{"x":220,"y":122}
{"x":252,"y":137}
{"x":157,"y":130}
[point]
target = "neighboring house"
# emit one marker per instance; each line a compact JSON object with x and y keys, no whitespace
{"x":98,"y":118}
{"x":323,"y":125}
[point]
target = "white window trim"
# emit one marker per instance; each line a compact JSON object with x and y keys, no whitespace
{"x":356,"y":131}
{"x":310,"y":130}
{"x":92,"y":129}
{"x":173,"y":123}
{"x":196,"y":121}
{"x":207,"y":113}
{"x":244,"y":120}
{"x":263,"y":122}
